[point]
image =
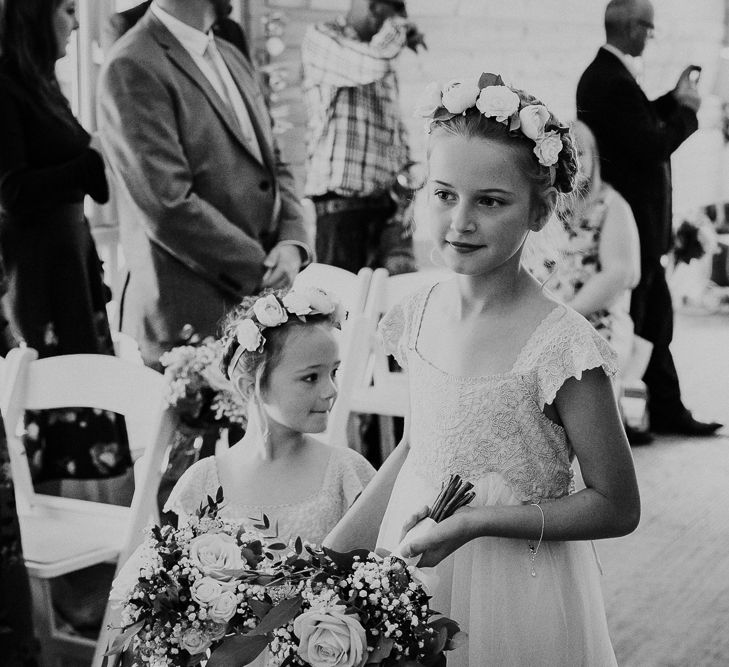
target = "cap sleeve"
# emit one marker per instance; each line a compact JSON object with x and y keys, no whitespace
{"x":356,"y":473}
{"x":198,"y":482}
{"x":398,"y":324}
{"x":392,"y":332}
{"x":565,"y":351}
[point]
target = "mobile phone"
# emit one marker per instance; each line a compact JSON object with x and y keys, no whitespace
{"x":695,"y":74}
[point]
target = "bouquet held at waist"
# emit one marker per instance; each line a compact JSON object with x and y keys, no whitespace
{"x":221,"y":592}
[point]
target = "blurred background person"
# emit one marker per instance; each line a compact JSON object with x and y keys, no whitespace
{"x":56,"y":299}
{"x":209,"y":211}
{"x":636,"y":137}
{"x":120,"y":22}
{"x":596,"y":262}
{"x":357,"y":142}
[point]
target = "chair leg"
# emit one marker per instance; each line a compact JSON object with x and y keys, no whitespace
{"x":43,"y":620}
{"x":387,"y":436}
{"x":354,"y":437}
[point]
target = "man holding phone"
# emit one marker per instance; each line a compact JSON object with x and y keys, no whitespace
{"x":636,"y":137}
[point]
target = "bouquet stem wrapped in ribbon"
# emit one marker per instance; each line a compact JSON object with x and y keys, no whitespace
{"x":453,"y":495}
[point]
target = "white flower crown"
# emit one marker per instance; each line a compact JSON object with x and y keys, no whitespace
{"x":271,"y":311}
{"x":494,"y":99}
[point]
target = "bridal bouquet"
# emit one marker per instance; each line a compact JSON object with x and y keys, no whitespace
{"x":222,"y":593}
{"x":185,"y":589}
{"x":196,"y":388}
{"x":348,"y":610}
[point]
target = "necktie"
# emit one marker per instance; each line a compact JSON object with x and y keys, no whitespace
{"x":232,"y":96}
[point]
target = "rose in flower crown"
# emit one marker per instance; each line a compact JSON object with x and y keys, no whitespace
{"x":247,"y":324}
{"x":492,"y":98}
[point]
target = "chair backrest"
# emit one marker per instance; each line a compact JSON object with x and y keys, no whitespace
{"x":96,"y":381}
{"x":353,"y":374}
{"x":385,"y":292}
{"x":349,"y":287}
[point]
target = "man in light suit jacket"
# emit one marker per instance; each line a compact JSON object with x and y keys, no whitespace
{"x":210,"y":213}
{"x":121,"y":22}
{"x":635,"y":138}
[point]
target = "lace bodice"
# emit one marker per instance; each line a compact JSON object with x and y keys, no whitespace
{"x":311,"y":519}
{"x":475,"y":426}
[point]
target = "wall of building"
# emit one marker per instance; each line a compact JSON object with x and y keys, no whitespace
{"x":540,"y":45}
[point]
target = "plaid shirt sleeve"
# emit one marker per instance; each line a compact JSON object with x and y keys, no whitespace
{"x":334,"y":60}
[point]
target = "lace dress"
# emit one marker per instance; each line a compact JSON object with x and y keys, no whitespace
{"x":347,"y":473}
{"x":491,"y":430}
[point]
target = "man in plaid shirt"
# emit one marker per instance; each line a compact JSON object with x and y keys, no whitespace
{"x":357,"y":143}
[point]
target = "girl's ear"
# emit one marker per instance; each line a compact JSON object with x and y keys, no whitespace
{"x":242,"y":384}
{"x":545,"y":208}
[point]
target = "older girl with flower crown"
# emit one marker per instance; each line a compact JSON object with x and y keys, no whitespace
{"x":282,"y":356}
{"x":507,"y":387}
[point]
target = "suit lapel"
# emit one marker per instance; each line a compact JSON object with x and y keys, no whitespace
{"x":184,"y":62}
{"x":246,"y":84}
{"x":613,"y":64}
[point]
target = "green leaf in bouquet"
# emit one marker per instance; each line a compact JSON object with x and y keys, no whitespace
{"x":279,"y":615}
{"x":487,"y":79}
{"x":277,"y":546}
{"x":260,"y":608}
{"x":250,"y":557}
{"x":219,"y":496}
{"x":122,"y":641}
{"x":238,"y":651}
{"x":448,"y":623}
{"x":264,"y":525}
{"x":346,"y":560}
{"x":437,"y":641}
{"x":382,"y":650}
{"x":298,"y":545}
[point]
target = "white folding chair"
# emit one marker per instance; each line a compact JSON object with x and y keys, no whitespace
{"x":366,"y":383}
{"x":62,"y":535}
{"x":350,"y":288}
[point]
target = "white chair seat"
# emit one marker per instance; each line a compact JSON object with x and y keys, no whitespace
{"x":391,"y":400}
{"x":53,"y":548}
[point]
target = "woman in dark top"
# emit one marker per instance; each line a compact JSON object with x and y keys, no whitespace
{"x":55,"y":300}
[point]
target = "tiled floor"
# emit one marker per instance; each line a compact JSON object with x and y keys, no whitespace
{"x":667,"y":585}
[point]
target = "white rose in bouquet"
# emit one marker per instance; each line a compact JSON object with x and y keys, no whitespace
{"x":216,"y":555}
{"x":222,"y":609}
{"x":331,"y":638}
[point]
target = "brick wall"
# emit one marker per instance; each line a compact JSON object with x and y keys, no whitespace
{"x":542,"y":46}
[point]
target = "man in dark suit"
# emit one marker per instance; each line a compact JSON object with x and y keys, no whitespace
{"x":225,"y":28}
{"x":209,"y":211}
{"x":636,"y":137}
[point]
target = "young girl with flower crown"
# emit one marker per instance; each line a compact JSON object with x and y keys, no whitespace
{"x":282,"y":356}
{"x":507,"y":387}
